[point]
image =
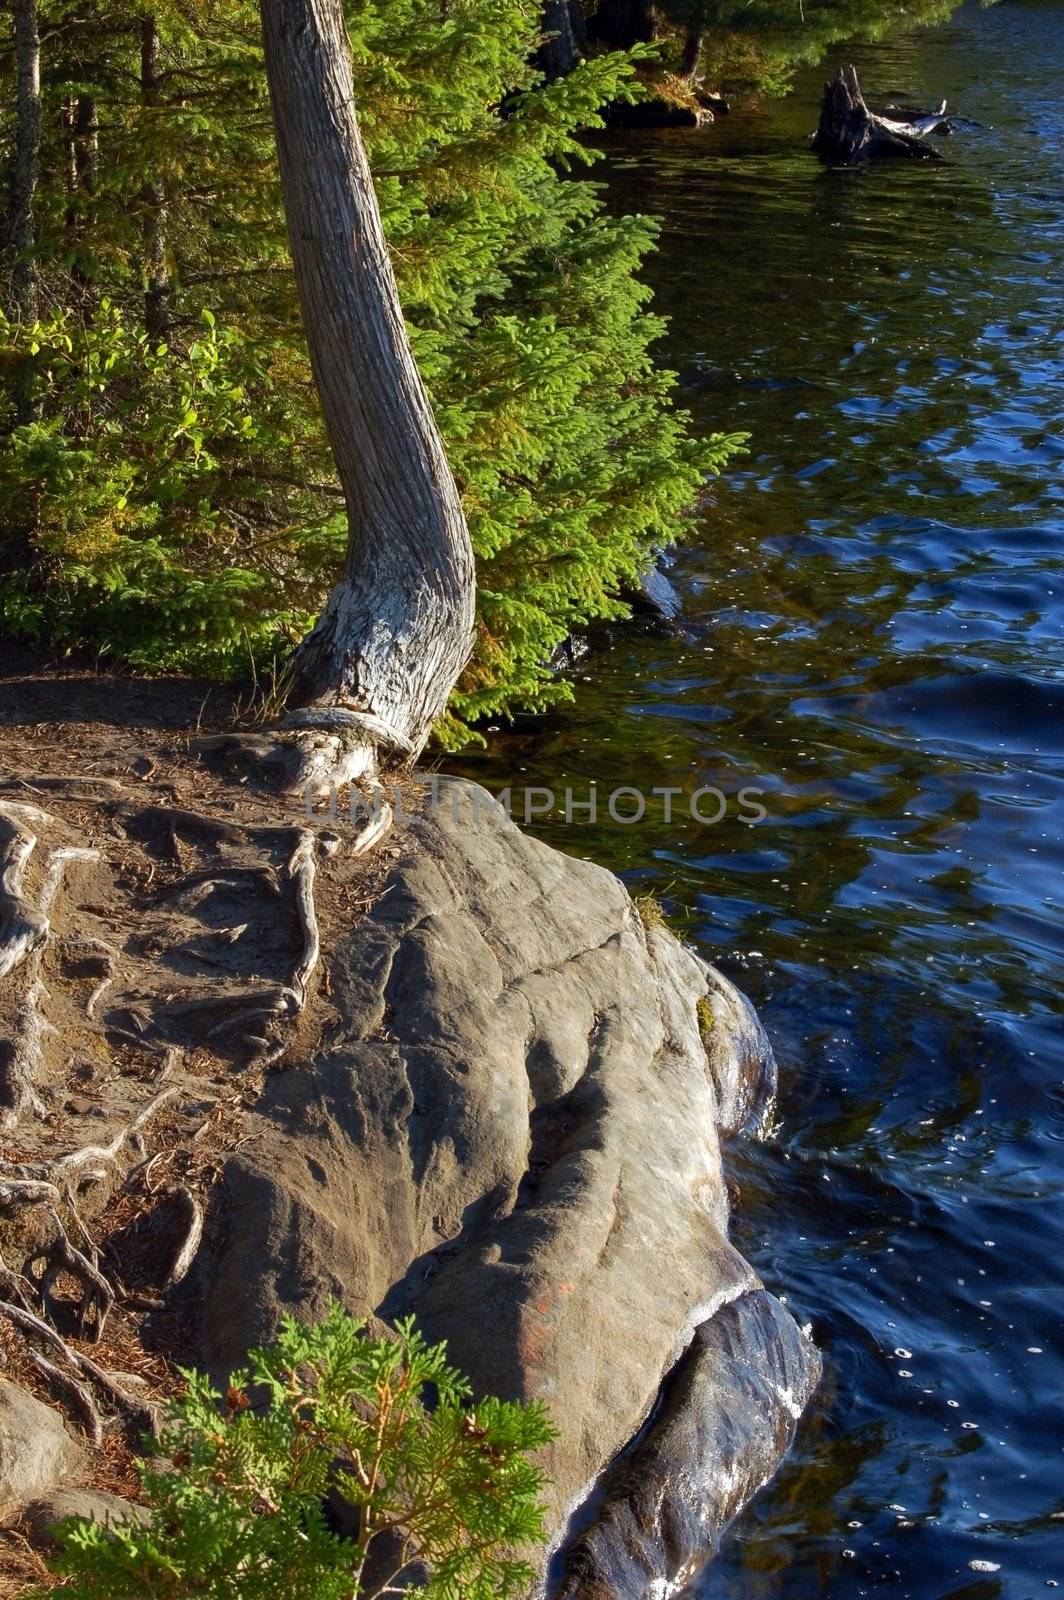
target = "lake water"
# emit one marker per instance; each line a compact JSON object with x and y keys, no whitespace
{"x":872,"y":635}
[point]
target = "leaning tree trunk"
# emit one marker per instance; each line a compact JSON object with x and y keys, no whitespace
{"x":849,"y":132}
{"x":397,"y":629}
{"x":26,"y":165}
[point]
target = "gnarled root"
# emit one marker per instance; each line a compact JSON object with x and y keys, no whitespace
{"x":302,"y":870}
{"x":22,"y":928}
{"x":34,"y":1330}
{"x":72,"y":1391}
{"x":20,"y":1060}
{"x":24,"y":932}
{"x":36,"y":1181}
{"x":62,"y":1258}
{"x":192,"y":1219}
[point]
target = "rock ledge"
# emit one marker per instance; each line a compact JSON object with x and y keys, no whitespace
{"x":513,"y":1133}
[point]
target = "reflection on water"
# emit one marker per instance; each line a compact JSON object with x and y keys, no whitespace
{"x":874,"y":609}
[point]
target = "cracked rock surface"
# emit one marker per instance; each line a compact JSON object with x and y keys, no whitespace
{"x":514,"y":1133}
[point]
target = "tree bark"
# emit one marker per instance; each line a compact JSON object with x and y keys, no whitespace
{"x":82,"y":157}
{"x":398,"y":627}
{"x":694,"y":37}
{"x":158,"y":286}
{"x":557,"y":56}
{"x":26,"y":166}
{"x":623,"y":23}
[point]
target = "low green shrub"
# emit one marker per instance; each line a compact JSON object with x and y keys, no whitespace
{"x":442,"y":1496}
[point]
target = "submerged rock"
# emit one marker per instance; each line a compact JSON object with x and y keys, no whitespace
{"x":513,"y":1134}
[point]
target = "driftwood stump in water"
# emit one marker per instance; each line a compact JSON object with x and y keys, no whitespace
{"x":850,"y":132}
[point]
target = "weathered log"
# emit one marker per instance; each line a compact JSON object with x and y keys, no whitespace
{"x":849,"y":132}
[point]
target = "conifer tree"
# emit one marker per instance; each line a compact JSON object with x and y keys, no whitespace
{"x":438,"y":1500}
{"x":175,"y":488}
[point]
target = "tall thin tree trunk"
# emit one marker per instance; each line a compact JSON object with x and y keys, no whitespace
{"x":82,"y":155}
{"x":557,"y":55}
{"x":26,"y":166}
{"x":623,"y":23}
{"x":692,"y":45}
{"x":397,"y":629}
{"x":158,"y":287}
{"x":578,"y":23}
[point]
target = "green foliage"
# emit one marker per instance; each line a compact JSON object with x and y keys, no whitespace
{"x":755,"y":44}
{"x":759,"y":43}
{"x":441,"y":1498}
{"x":173,"y":502}
{"x":139,"y":460}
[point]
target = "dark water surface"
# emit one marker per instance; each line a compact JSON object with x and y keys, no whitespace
{"x":874,"y":608}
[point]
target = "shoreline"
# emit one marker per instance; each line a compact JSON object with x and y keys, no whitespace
{"x":618,"y":1071}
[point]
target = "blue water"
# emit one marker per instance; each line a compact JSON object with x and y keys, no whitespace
{"x":872,"y":634}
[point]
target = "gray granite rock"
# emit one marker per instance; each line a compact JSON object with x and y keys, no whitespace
{"x":36,"y":1451}
{"x":513,"y":1134}
{"x":39,"y":1518}
{"x":730,"y":1408}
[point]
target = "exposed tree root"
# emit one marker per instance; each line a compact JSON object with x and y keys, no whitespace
{"x":20,"y":1060}
{"x":70,"y":788}
{"x":216,"y":829}
{"x":24,"y":934}
{"x":381,"y":818}
{"x":135,"y":1413}
{"x":358,"y":725}
{"x":60,"y":1258}
{"x":198,"y":885}
{"x":43,"y":1180}
{"x":140,"y":984}
{"x":78,"y":1399}
{"x":53,"y":877}
{"x":22,"y":928}
{"x":93,"y":958}
{"x":26,"y":1191}
{"x":193,"y":1223}
{"x":302,"y":869}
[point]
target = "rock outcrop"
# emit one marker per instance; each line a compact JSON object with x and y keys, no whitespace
{"x":41,"y":1517}
{"x":513,"y":1133}
{"x":36,"y":1451}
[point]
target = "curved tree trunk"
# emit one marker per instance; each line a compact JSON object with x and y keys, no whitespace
{"x":397,"y":629}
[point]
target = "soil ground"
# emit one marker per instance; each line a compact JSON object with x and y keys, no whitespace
{"x":156,"y":991}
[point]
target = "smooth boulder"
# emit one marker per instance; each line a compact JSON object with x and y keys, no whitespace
{"x":512,"y":1132}
{"x":36,"y":1451}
